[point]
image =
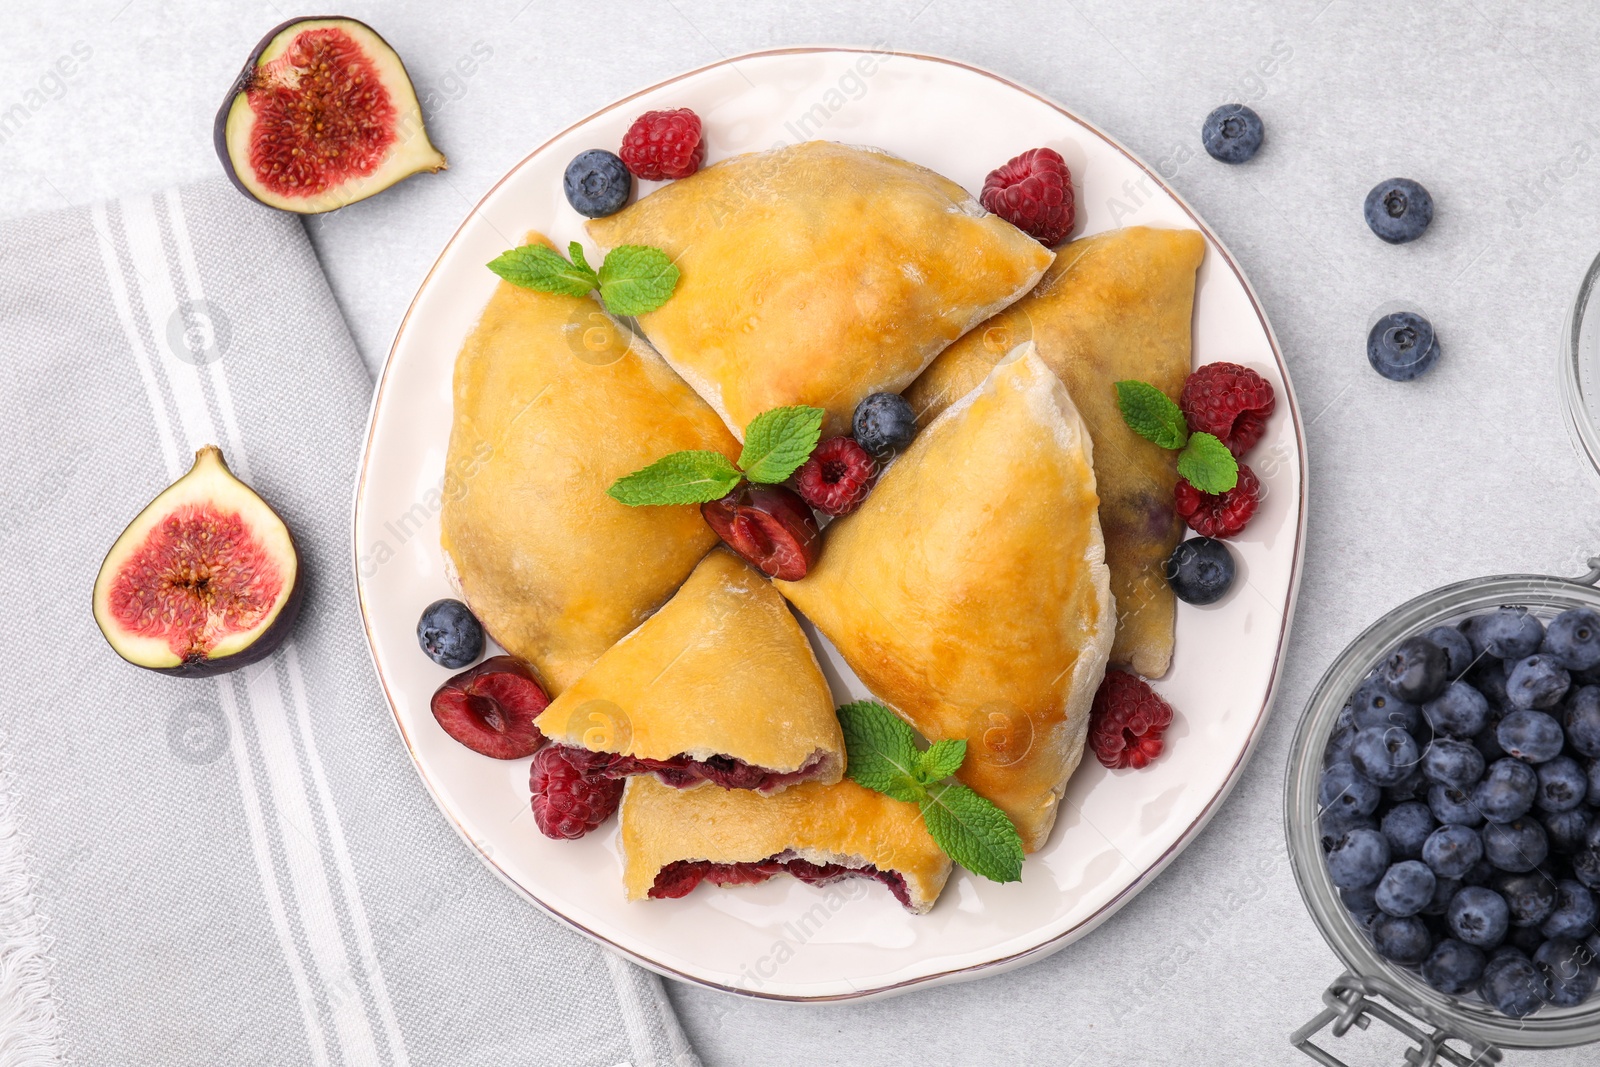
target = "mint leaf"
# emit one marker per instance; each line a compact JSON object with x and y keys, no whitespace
{"x":678,"y":478}
{"x":973,"y":832}
{"x":940,"y":760}
{"x":541,"y":267}
{"x":776,"y":442}
{"x":1208,"y":465}
{"x":1151,"y":414}
{"x":880,"y":750}
{"x":575,"y":253}
{"x":635,"y":279}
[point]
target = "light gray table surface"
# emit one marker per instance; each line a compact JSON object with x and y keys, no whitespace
{"x":1489,"y":103}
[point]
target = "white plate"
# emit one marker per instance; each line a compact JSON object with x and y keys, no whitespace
{"x":783,"y":939}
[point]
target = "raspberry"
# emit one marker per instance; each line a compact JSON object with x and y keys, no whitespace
{"x":1230,"y":402}
{"x":837,"y":477}
{"x":664,"y":144}
{"x":1033,"y":192}
{"x":1219,"y":514}
{"x":1127,"y":722}
{"x":567,"y":803}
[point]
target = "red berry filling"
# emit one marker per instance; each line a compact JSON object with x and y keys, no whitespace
{"x":1230,"y":402}
{"x":680,"y":772}
{"x":664,"y":144}
{"x":1219,"y":514}
{"x":567,"y":803}
{"x":680,"y":878}
{"x":1033,"y":192}
{"x":837,"y":477}
{"x":490,"y":708}
{"x":770,"y":526}
{"x":1127,"y":721}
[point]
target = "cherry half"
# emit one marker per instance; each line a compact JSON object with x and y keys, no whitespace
{"x":769,"y":526}
{"x":491,"y":707}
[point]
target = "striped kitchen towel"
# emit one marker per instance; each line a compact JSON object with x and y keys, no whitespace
{"x":242,"y":870}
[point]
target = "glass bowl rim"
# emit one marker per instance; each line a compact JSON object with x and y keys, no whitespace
{"x":1584,"y":429}
{"x":1547,"y":1028}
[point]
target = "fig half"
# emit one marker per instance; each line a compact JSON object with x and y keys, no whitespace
{"x":205,"y":580}
{"x":322,"y":115}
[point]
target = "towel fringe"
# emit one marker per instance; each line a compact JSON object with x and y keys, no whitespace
{"x":30,"y":1027}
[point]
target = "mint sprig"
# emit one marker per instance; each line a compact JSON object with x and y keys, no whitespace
{"x":632,"y":279}
{"x":678,"y":478}
{"x":1205,"y":461}
{"x":776,"y":442}
{"x":882,"y":755}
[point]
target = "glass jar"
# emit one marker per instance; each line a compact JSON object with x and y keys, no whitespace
{"x":1580,"y":367}
{"x":1443,"y":1029}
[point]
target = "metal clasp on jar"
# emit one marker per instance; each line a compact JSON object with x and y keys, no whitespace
{"x":1349,"y":1003}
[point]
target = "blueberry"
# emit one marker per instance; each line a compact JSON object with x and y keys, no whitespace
{"x":1583,"y":721}
{"x":1362,"y":899}
{"x":1405,"y":889}
{"x":1575,"y":914}
{"x":1523,"y":939}
{"x":1453,"y":806}
{"x":1566,"y":829}
{"x":597,"y":183}
{"x":884,"y":424}
{"x":1338,"y":747}
{"x":1452,"y":851}
{"x":1586,"y":868}
{"x":1407,"y":826}
{"x":1594,"y":783}
{"x":1453,"y":967}
{"x":1562,"y":785}
{"x":1513,"y":985}
{"x":1507,"y":791}
{"x":1359,"y":858}
{"x":1573,"y":638}
{"x":1460,"y":711}
{"x":1335,"y":822}
{"x":1457,"y":649}
{"x":1531,"y":897}
{"x":1386,"y":756}
{"x":1531,"y":736}
{"x":1398,"y":210}
{"x":1416,"y":670}
{"x":1537,"y":682}
{"x":450,"y":634}
{"x":1509,"y":633}
{"x":1372,"y":704}
{"x":1479,"y":916}
{"x":1487,"y":741}
{"x":1520,"y":845}
{"x":1343,"y":787}
{"x":1569,"y":969}
{"x":1232,"y":133}
{"x":1453,"y":763}
{"x":1200,"y":570}
{"x":1401,"y":346}
{"x":1403,"y":939}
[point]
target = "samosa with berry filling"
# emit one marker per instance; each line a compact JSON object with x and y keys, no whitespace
{"x":819,"y":273}
{"x":970,"y":592}
{"x":718,"y":686}
{"x":545,"y":421}
{"x":1115,"y":306}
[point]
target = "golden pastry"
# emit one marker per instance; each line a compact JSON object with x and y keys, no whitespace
{"x":553,"y":403}
{"x":970,"y":591}
{"x":720,"y":685}
{"x":819,"y":273}
{"x":673,"y":839}
{"x":1114,"y":306}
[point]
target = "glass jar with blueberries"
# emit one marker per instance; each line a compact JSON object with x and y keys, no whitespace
{"x":1443,"y":821}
